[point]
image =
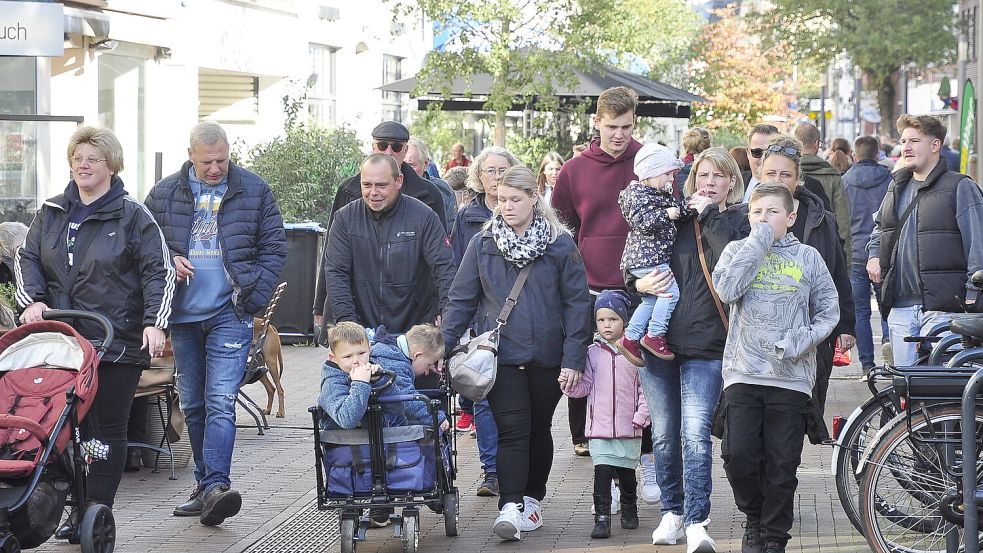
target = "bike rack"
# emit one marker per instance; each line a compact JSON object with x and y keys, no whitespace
{"x":970,"y":498}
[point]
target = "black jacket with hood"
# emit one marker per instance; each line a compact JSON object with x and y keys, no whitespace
{"x":126,"y":272}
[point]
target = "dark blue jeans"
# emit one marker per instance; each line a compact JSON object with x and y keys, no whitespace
{"x":210,"y":357}
{"x":683,"y":393}
{"x":862,"y":287}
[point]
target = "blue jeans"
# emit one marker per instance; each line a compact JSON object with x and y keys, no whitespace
{"x":210,"y":357}
{"x":654,"y":311}
{"x":911,"y":321}
{"x":861,"y":299}
{"x":682,"y":394}
{"x":486,"y":433}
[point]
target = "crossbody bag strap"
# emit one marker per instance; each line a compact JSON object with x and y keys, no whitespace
{"x":706,"y":275}
{"x":513,"y":298}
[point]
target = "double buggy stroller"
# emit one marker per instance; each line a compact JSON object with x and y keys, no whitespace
{"x":389,"y":468}
{"x":48,"y":381}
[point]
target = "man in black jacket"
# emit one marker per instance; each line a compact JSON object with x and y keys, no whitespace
{"x":386,"y":254}
{"x":224,"y":231}
{"x":390,"y":138}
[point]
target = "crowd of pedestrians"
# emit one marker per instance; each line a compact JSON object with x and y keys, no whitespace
{"x":669,"y":299}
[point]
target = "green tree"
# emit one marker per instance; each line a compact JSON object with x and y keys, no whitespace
{"x":879,"y":36}
{"x":528,"y":46}
{"x":306,"y":164}
{"x":663,"y":33}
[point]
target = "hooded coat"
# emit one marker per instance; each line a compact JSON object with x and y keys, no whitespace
{"x":866,"y":184}
{"x":586,"y":199}
{"x":829,"y":176}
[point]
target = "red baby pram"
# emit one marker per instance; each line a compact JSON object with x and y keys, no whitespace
{"x":48,"y":381}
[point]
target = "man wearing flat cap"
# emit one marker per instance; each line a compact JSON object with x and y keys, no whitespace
{"x":390,"y":138}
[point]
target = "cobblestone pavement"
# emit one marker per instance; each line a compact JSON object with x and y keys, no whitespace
{"x":275,"y":475}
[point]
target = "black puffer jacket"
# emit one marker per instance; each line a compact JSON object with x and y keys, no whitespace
{"x":125,"y":274}
{"x":250,"y":231}
{"x":550,"y":323}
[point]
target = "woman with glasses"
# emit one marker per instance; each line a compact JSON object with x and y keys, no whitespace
{"x":95,"y":248}
{"x":484,"y":174}
{"x":543,"y":346}
{"x":549,"y":169}
{"x":686,"y":389}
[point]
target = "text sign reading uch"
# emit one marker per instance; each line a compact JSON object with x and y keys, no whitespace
{"x":31,"y":29}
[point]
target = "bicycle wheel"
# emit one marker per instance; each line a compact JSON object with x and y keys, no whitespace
{"x":876,"y":412}
{"x":905,"y":482}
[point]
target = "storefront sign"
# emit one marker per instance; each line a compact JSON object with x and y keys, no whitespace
{"x":967,"y":126}
{"x":31,"y":29}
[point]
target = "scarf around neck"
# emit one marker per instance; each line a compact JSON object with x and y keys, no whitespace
{"x":521,"y":250}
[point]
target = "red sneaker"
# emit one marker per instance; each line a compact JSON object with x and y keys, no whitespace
{"x":657,"y":346}
{"x":465,"y":422}
{"x":629,"y":348}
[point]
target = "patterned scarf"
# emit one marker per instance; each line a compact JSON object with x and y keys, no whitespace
{"x":521,"y":250}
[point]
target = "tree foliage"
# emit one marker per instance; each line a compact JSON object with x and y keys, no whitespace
{"x":662,"y":33}
{"x":306,"y":164}
{"x":743,"y":80}
{"x":879,"y":36}
{"x":528,"y":46}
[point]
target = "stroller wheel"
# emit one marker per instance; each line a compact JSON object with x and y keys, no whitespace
{"x":9,"y":544}
{"x":450,"y":512}
{"x":349,"y":529}
{"x":98,"y":530}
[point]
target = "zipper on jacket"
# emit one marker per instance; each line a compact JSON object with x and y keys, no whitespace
{"x":614,"y":397}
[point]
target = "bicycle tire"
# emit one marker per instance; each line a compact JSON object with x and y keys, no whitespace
{"x":905,"y":482}
{"x":873,"y":415}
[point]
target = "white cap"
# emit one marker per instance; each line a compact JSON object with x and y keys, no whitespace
{"x":654,"y":160}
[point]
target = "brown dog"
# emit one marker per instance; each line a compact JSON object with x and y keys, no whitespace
{"x":273,"y":357}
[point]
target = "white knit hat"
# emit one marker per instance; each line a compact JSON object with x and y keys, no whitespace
{"x":653,"y":160}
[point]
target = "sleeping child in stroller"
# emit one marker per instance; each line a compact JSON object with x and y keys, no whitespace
{"x":348,"y":375}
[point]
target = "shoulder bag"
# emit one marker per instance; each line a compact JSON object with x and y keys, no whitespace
{"x":473,"y":365}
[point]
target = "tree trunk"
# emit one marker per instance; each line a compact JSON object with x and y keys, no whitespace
{"x":886,"y":96}
{"x":500,"y":128}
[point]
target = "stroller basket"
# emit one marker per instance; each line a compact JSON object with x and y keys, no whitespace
{"x":409,"y":460}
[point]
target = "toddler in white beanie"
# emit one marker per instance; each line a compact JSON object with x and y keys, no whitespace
{"x":651,"y":211}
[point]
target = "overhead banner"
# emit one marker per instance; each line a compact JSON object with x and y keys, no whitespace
{"x":32,"y":29}
{"x":967,"y":125}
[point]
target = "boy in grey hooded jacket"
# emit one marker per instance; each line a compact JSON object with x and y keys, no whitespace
{"x":783,"y":303}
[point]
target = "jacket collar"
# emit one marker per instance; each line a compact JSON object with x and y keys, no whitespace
{"x":814,"y":210}
{"x":110,"y":202}
{"x":903,"y":176}
{"x":234,"y":178}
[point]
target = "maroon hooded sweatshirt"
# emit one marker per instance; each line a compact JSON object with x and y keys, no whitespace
{"x":586,"y":199}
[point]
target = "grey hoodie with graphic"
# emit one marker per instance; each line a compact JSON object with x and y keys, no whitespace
{"x":783,"y":303}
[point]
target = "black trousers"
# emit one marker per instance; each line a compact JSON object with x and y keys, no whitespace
{"x":824,"y":368}
{"x":107,"y":421}
{"x":523,"y":401}
{"x":605,"y":474}
{"x":763,"y":431}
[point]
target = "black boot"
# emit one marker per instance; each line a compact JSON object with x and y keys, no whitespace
{"x":69,"y":530}
{"x":133,"y":460}
{"x":629,"y":510}
{"x":602,"y":516}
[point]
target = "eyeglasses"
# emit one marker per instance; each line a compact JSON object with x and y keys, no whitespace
{"x":396,"y":146}
{"x":493,"y":172}
{"x":778,"y":148}
{"x":88,"y":160}
{"x":756,"y":153}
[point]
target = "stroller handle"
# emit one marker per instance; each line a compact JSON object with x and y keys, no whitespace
{"x":63,"y":314}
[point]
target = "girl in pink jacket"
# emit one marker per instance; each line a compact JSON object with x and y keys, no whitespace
{"x":616,"y":414}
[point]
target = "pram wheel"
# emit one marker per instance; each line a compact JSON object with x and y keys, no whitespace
{"x":411,"y":532}
{"x":98,"y":530}
{"x":450,"y":513}
{"x":9,"y":544}
{"x":348,"y":529}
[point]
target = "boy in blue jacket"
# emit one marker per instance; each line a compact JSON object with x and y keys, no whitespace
{"x":410,"y":355}
{"x":347,"y":379}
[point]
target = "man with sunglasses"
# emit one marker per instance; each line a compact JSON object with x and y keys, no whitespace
{"x":829,"y":177}
{"x":758,"y":140}
{"x":390,"y":138}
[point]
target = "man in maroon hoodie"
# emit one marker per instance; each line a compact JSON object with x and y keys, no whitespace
{"x":586,"y":199}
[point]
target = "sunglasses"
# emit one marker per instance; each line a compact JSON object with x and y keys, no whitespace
{"x":756,"y":153}
{"x":396,"y":146}
{"x":788,"y":150}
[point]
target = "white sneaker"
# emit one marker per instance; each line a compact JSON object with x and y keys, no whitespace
{"x":532,"y":515}
{"x":649,"y":488}
{"x":508,"y":525}
{"x":615,"y":500}
{"x":697,"y":540}
{"x":670,"y":530}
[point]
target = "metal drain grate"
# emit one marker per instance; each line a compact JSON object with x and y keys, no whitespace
{"x":308,"y":531}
